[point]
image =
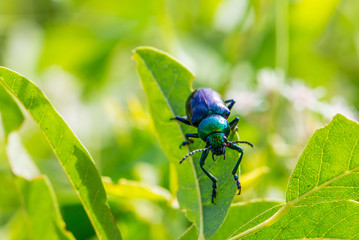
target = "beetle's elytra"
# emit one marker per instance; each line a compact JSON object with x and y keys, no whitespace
{"x":209,"y":113}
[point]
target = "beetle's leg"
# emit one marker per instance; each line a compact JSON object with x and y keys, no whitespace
{"x":233,"y":124}
{"x":235,"y":169}
{"x":231,"y":103}
{"x":214,"y":180}
{"x":189,"y":141}
{"x":182,"y":119}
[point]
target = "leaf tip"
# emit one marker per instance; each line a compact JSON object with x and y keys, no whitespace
{"x":341,"y":117}
{"x":142,"y":49}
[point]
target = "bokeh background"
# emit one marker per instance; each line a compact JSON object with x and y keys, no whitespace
{"x":290,"y":65}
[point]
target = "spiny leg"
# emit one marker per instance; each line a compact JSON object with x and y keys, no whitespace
{"x":189,"y":141}
{"x":231,"y":103}
{"x":233,"y":124}
{"x":235,"y":169}
{"x":214,"y":180}
{"x":182,"y":119}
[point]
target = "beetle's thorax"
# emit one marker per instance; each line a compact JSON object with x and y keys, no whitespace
{"x":213,"y":124}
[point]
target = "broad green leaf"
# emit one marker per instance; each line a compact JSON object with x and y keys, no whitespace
{"x":73,"y":156}
{"x":168,"y":85}
{"x":238,"y":215}
{"x":11,"y":115}
{"x":330,"y":220}
{"x":328,"y":167}
{"x":321,"y":190}
{"x":134,"y":189}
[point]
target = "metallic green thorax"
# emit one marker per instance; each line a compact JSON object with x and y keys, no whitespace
{"x":216,"y":126}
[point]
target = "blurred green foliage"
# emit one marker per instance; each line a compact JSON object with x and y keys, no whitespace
{"x":291,"y":66}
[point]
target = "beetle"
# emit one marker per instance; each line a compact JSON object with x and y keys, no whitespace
{"x":207,"y":112}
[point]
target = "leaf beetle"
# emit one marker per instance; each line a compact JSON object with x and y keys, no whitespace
{"x":207,"y":112}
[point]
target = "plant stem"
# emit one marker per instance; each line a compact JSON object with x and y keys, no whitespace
{"x":282,"y":38}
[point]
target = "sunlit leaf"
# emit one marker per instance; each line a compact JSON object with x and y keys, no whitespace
{"x":334,"y":220}
{"x":134,"y":189}
{"x":328,"y":169}
{"x":321,"y":190}
{"x":250,"y":178}
{"x":73,"y":156}
{"x":168,"y":85}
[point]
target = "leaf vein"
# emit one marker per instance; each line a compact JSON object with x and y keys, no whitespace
{"x":281,"y":229}
{"x":306,"y":236}
{"x":339,"y":222}
{"x":352,"y":151}
{"x":322,"y":155}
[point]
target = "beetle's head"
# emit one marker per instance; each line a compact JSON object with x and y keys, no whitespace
{"x":217,"y":143}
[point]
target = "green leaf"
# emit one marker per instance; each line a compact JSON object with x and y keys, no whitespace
{"x":41,"y":209}
{"x":40,"y":214}
{"x":42,"y":218}
{"x":132,"y":189}
{"x":321,"y":191}
{"x":328,"y":167}
{"x":335,"y":220}
{"x":11,"y":114}
{"x":241,"y":213}
{"x":238,"y":215}
{"x":12,"y":231}
{"x":73,"y":156}
{"x":168,"y":85}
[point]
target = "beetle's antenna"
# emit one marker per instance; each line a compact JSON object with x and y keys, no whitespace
{"x":250,"y":144}
{"x":193,"y":152}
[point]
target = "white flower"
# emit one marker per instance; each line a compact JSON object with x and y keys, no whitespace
{"x":302,"y":96}
{"x":336,"y":105}
{"x":270,"y":80}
